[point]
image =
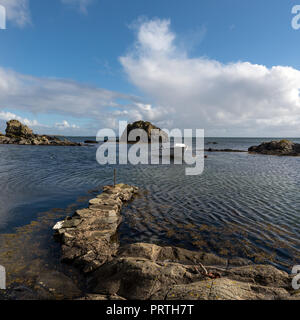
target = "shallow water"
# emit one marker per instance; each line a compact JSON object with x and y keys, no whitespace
{"x":242,"y":205}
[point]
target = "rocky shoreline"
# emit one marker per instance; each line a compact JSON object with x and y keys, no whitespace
{"x":278,"y":148}
{"x":18,"y":133}
{"x":223,"y":150}
{"x":147,"y":271}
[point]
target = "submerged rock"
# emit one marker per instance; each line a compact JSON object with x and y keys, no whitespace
{"x":18,"y":133}
{"x":147,"y":127}
{"x":281,"y":148}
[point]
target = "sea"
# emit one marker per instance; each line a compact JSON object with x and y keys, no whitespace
{"x":242,"y":205}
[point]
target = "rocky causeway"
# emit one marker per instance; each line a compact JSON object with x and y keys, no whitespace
{"x":146,"y":271}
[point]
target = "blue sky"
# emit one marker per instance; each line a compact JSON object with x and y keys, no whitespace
{"x":75,"y":66}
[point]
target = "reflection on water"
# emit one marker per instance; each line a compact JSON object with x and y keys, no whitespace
{"x":242,"y":205}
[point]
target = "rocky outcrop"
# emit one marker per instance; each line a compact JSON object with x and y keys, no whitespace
{"x":18,"y":133}
{"x":15,"y":129}
{"x":147,"y":127}
{"x":89,"y":237}
{"x":280,"y":148}
{"x":146,"y":271}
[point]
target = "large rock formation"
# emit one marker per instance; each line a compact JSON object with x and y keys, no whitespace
{"x":18,"y":133}
{"x":280,"y":148}
{"x":147,"y":127}
{"x":15,"y":129}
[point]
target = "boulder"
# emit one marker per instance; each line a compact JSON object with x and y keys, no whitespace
{"x":147,"y":271}
{"x":171,"y":254}
{"x":282,"y":147}
{"x":147,"y":127}
{"x":138,"y":278}
{"x":15,"y":129}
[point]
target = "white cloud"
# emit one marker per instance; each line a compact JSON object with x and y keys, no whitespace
{"x":69,"y":99}
{"x":57,"y":96}
{"x":17,"y":11}
{"x":65,"y":125}
{"x":234,"y":98}
{"x":4,"y":115}
{"x":81,"y":4}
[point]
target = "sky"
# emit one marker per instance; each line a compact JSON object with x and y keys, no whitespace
{"x":230,"y":67}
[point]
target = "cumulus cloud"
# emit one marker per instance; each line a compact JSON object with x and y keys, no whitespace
{"x":80,"y":4}
{"x":5,"y":115}
{"x":65,"y":125}
{"x":234,"y":98}
{"x":17,"y":11}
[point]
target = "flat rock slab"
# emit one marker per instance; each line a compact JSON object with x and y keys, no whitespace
{"x":146,"y":271}
{"x":89,"y":237}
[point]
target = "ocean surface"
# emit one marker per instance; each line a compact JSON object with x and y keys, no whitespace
{"x":243,"y":205}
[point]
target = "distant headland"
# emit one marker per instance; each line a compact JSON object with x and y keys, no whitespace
{"x":18,"y":133}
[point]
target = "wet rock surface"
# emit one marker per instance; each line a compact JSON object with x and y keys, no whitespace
{"x":89,"y":237}
{"x":146,"y":271}
{"x":18,"y":133}
{"x":49,"y":285}
{"x":280,"y":148}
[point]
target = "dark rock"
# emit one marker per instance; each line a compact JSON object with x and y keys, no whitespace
{"x":49,"y":285}
{"x":147,"y":127}
{"x":90,"y":141}
{"x":15,"y":129}
{"x":282,"y":148}
{"x":18,"y":133}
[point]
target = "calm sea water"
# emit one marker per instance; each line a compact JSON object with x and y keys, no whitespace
{"x":242,"y":205}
